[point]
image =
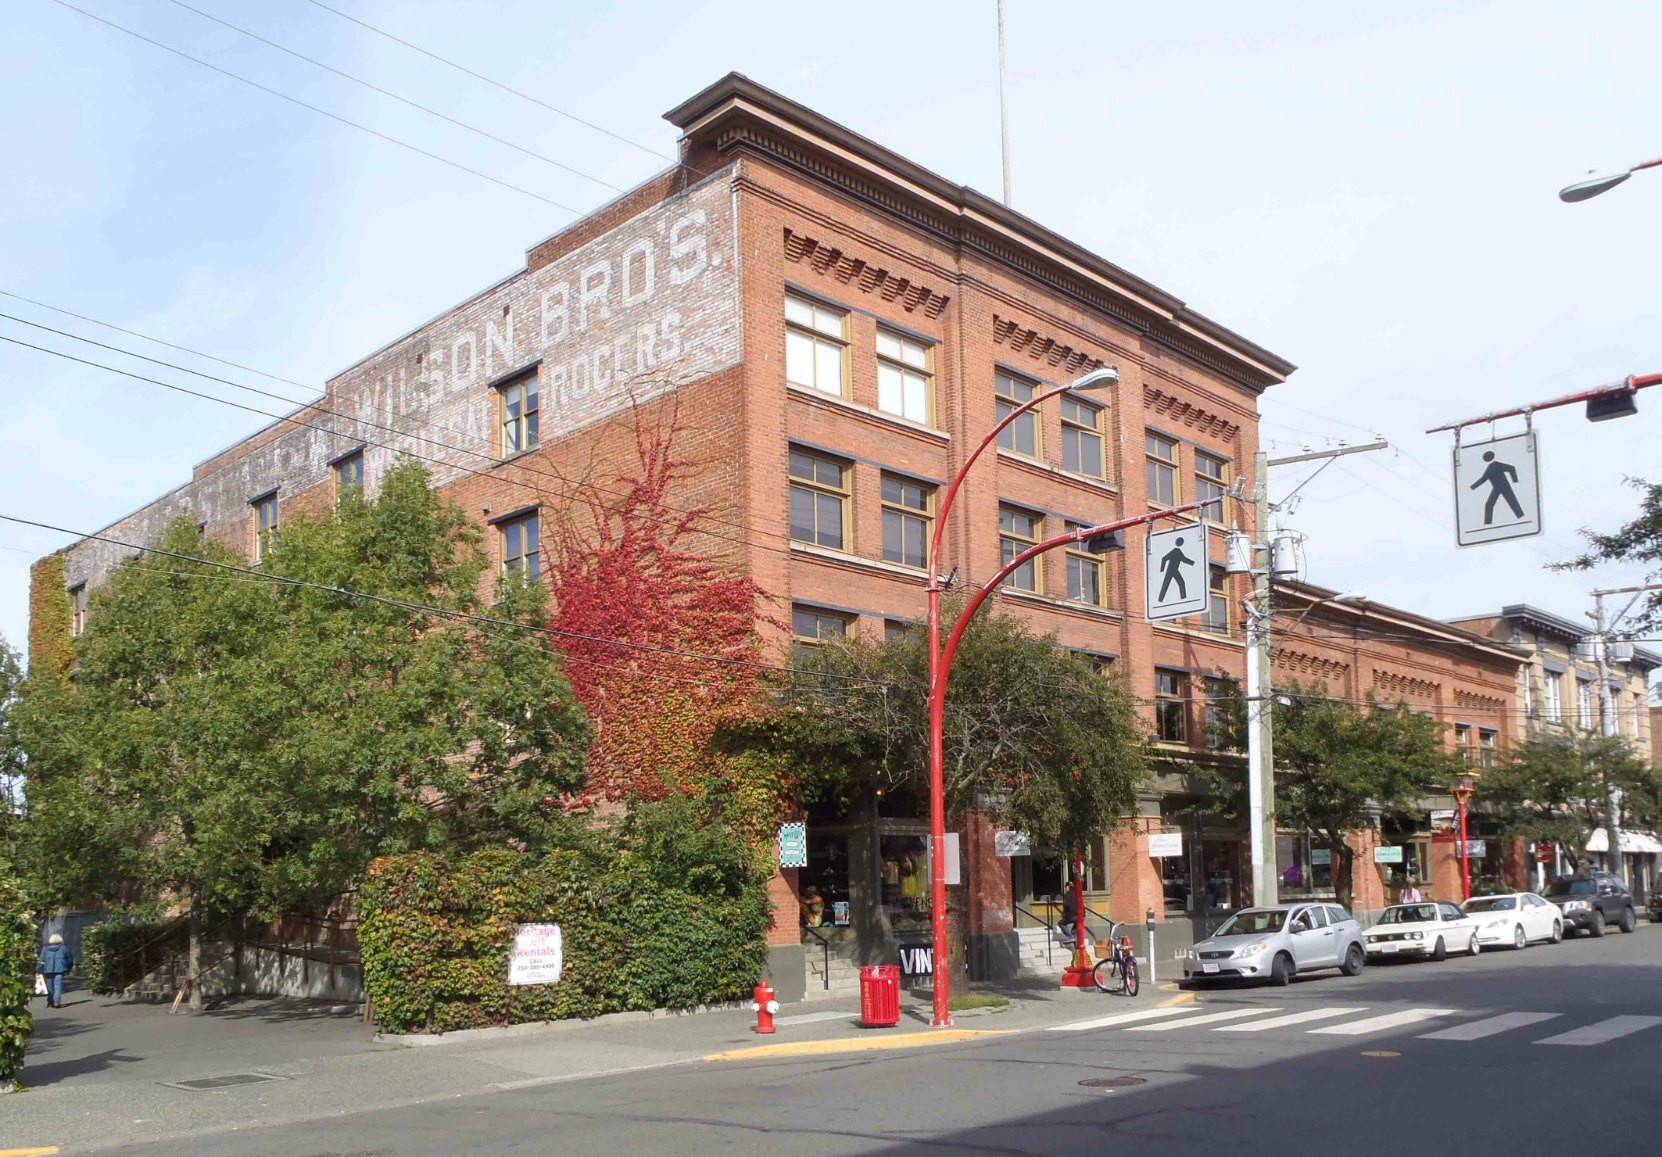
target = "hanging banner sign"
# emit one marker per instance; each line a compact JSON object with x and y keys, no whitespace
{"x":1387,"y":855}
{"x":1011,"y":844}
{"x":1164,"y":844}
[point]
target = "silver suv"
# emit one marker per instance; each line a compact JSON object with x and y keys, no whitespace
{"x":1277,"y":942}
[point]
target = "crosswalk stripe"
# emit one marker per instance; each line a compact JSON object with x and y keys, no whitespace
{"x":1478,"y":1029}
{"x":1209,"y":1018}
{"x":1604,"y":1030}
{"x":1122,"y":1018}
{"x":1291,"y":1018}
{"x":1389,"y":1020}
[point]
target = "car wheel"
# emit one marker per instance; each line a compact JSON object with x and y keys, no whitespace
{"x":1519,"y":940}
{"x":1472,"y":946}
{"x":1439,"y":951}
{"x":1281,"y":970}
{"x":1557,"y":931}
{"x":1355,"y":960}
{"x":1597,"y":927}
{"x":1628,"y":923}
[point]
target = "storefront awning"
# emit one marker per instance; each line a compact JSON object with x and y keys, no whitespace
{"x":1640,"y":843}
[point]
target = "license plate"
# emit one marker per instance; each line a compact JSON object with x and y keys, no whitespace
{"x":1208,"y":967}
{"x":1389,"y":947}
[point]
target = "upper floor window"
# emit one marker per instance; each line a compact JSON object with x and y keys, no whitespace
{"x":1217,"y":609}
{"x":906,"y":520}
{"x":811,"y":626}
{"x":1018,"y":530}
{"x":1584,"y":703}
{"x":1022,"y":435}
{"x":522,"y":546}
{"x":816,"y":345}
{"x":265,"y":521}
{"x":895,"y":630}
{"x":1081,"y":438}
{"x":1488,"y":745}
{"x":819,"y":499}
{"x":1218,"y":694}
{"x":1211,"y":484}
{"x":1463,"y":741}
{"x":521,"y":421}
{"x":1171,"y":708}
{"x":349,"y":471}
{"x":77,"y":609}
{"x":1161,"y":453}
{"x":1084,"y":573}
{"x":904,"y":384}
{"x":1550,"y":703}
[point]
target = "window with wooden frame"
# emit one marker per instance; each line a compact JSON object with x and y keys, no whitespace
{"x":1082,"y":438}
{"x":1550,"y":684}
{"x":265,"y":521}
{"x":1211,"y":485}
{"x":1022,"y":435}
{"x":907,"y":519}
{"x":905,"y":386}
{"x":819,"y":499}
{"x":811,"y":626}
{"x":1161,"y":454}
{"x":77,"y":610}
{"x":1463,"y":742}
{"x":349,"y":472}
{"x":816,"y":346}
{"x":896,"y":629}
{"x":521,"y":538}
{"x":1217,"y":610}
{"x":1019,"y":529}
{"x":1171,"y":706}
{"x":521,"y":404}
{"x":1084,"y":572}
{"x":1219,"y":691}
{"x":1584,"y":703}
{"x":1488,"y":746}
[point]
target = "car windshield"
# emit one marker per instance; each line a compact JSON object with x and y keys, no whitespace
{"x":1566,"y":887}
{"x":1492,"y":904}
{"x":1251,"y":923}
{"x":1409,"y":914}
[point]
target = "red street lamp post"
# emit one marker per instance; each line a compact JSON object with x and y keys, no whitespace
{"x":1462,"y":793}
{"x":940,"y":667}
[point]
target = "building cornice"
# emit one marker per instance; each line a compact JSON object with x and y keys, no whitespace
{"x":1365,"y":616}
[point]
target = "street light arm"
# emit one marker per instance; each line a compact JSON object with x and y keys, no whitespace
{"x":963,"y":472}
{"x":1633,"y":383}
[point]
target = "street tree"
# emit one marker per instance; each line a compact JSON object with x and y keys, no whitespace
{"x":240,"y":746}
{"x":1553,"y":787}
{"x":1637,"y":542}
{"x":11,"y":753}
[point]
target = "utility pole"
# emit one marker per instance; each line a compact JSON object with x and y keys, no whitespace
{"x":1607,"y":708}
{"x":1003,"y":109}
{"x":1260,"y":693}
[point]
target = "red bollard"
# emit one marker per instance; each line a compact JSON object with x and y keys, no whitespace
{"x":765,"y":1006}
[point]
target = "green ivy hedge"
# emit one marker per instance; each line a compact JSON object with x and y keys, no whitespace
{"x":636,"y":933}
{"x":17,"y":975}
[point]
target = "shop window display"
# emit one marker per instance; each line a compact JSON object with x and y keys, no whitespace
{"x":903,"y":865}
{"x":823,"y":884}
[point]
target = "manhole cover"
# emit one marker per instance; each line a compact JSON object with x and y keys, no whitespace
{"x":1113,"y":1082}
{"x":205,"y":1083}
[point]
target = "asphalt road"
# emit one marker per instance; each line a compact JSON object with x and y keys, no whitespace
{"x":1556,"y":1049}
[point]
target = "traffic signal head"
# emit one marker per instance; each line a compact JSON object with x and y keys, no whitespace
{"x":1105,"y":543}
{"x":1618,"y":403}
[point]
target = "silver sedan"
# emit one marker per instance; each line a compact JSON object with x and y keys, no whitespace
{"x":1277,"y":942}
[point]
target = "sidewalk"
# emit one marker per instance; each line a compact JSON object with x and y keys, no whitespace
{"x":101,"y":1072}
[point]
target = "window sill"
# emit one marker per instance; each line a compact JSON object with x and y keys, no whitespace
{"x":1229,"y":640}
{"x":860,"y":562}
{"x":506,"y":459}
{"x":889,"y":421}
{"x":1062,"y":604}
{"x":1041,"y":467}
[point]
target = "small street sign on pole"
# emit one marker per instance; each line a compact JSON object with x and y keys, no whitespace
{"x":1174,"y":570}
{"x":1497,"y":490}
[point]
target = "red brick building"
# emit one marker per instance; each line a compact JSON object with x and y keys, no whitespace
{"x":838,"y":327}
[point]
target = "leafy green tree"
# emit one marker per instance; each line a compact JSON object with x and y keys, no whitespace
{"x":1639,"y":541}
{"x":11,"y":754}
{"x":17,"y":957}
{"x":246,"y":746}
{"x":1553,"y":787}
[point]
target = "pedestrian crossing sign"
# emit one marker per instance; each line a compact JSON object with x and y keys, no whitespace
{"x":1497,"y":490}
{"x":1174,"y":570}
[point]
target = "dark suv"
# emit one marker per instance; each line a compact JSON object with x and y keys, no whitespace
{"x":1592,"y":900}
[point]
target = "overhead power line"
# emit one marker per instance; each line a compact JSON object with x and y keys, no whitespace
{"x":488,"y":135}
{"x":495,"y":83}
{"x":320,"y":111}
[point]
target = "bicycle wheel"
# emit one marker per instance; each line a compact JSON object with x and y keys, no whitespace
{"x":1105,"y":976}
{"x":1130,"y":981}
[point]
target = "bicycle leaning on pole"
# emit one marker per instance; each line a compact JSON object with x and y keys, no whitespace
{"x":1117,"y":971}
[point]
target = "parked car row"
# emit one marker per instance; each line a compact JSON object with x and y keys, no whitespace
{"x":1276,"y":942}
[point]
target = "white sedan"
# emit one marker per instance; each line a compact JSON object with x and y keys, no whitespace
{"x":1518,"y":918}
{"x":1430,"y":930}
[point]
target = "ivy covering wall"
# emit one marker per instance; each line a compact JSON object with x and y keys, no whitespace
{"x":17,"y":959}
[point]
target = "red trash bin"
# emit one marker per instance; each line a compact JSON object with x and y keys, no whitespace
{"x":879,"y":995}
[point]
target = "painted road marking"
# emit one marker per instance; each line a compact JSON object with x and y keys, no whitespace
{"x":1292,"y":1018}
{"x":1478,"y":1029}
{"x":860,"y":1044}
{"x":1604,"y":1030}
{"x":1209,"y":1018}
{"x":1380,"y":1023}
{"x":813,"y":1018}
{"x":45,"y":1151}
{"x":1122,"y":1018}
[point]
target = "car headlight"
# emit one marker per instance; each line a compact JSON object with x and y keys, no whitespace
{"x":1501,"y":923}
{"x":1574,"y":905}
{"x":1416,"y":936}
{"x":1253,"y":950}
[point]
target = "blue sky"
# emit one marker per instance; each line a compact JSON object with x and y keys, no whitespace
{"x":1368,"y":190}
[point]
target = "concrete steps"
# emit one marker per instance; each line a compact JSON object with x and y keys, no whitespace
{"x":844,"y":976}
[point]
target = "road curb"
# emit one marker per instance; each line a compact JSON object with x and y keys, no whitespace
{"x":465,"y":1036}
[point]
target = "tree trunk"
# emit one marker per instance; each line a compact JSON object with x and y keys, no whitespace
{"x":193,"y":922}
{"x":1342,"y":866}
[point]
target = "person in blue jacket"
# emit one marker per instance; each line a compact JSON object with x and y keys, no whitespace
{"x":55,"y":961}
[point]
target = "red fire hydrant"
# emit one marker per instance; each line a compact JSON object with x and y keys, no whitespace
{"x":765,"y":1006}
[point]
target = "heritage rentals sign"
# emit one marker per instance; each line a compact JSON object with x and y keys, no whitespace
{"x":537,"y":956}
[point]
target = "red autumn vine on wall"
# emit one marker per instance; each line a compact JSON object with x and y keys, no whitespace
{"x":626,"y":569}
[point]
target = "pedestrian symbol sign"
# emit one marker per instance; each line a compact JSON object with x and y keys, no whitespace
{"x":1497,"y":490}
{"x":1174,"y":569}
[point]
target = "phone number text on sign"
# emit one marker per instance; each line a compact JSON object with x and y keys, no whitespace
{"x":537,"y":955}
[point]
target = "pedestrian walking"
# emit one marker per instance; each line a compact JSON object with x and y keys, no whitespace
{"x":1409,"y":894}
{"x":55,"y":962}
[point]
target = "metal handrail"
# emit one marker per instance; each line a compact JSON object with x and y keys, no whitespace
{"x":1048,"y":926}
{"x":825,"y":944}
